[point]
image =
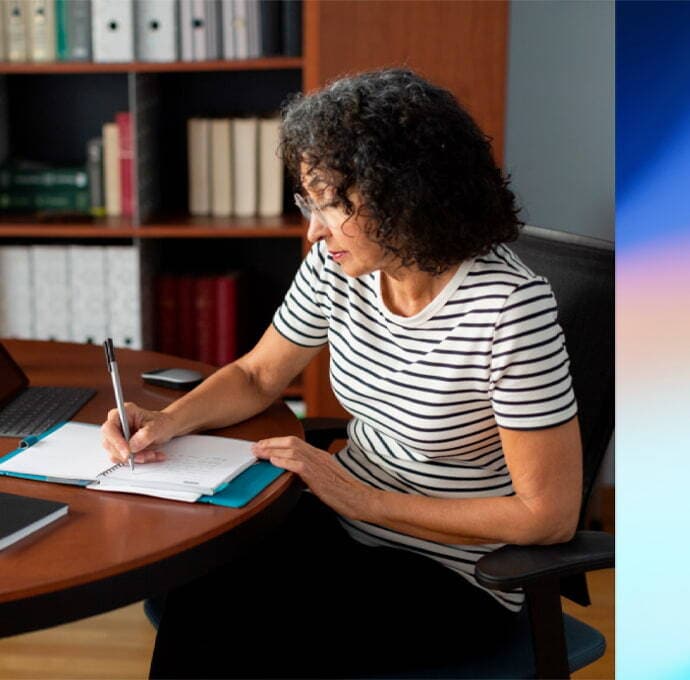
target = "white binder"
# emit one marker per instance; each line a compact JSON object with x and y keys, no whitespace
{"x":213,"y":38}
{"x":156,"y":22}
{"x":227,"y":18}
{"x":51,"y":292}
{"x":240,"y":28}
{"x":16,"y":293}
{"x":40,"y":22}
{"x":15,"y":30}
{"x":199,"y":29}
{"x":185,"y":27}
{"x":3,"y":39}
{"x":123,"y":285}
{"x":89,"y":320}
{"x":112,"y":24}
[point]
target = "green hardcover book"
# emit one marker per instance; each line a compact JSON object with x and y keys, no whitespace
{"x":24,"y":176}
{"x":45,"y":200}
{"x":61,"y":37}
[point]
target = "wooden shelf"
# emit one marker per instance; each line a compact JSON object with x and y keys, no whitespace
{"x":285,"y":226}
{"x":266,"y":63}
{"x":290,"y":226}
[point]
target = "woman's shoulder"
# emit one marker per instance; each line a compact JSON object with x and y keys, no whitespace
{"x":503,"y":267}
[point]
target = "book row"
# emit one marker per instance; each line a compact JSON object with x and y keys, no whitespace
{"x":233,"y":170}
{"x":71,"y":293}
{"x":148,"y":30}
{"x":105,"y":186}
{"x":199,"y":317}
{"x":234,"y":167}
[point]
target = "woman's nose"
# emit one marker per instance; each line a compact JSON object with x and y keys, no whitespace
{"x":317,"y":229}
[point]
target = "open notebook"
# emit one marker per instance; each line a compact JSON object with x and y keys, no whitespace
{"x":195,"y":464}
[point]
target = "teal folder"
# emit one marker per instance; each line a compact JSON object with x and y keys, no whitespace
{"x":240,"y":490}
{"x":235,"y":494}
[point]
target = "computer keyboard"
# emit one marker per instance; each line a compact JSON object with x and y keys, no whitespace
{"x":38,"y":408}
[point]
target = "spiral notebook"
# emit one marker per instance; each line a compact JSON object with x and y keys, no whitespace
{"x":196,"y":466}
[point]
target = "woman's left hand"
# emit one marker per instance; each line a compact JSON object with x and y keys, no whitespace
{"x":335,"y":486}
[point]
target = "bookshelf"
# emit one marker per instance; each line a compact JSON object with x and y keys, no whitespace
{"x":53,"y":108}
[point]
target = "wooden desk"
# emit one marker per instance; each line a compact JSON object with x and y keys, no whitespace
{"x":114,"y":549}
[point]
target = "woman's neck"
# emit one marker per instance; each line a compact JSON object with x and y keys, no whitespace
{"x":407,"y":292}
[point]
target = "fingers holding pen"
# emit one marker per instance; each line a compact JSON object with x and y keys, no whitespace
{"x":142,"y":443}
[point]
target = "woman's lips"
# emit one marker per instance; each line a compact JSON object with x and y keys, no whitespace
{"x":337,"y":254}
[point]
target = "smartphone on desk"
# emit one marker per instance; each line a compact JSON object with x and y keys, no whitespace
{"x":175,"y":378}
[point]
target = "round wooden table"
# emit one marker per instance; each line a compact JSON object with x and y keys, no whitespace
{"x":114,"y":549}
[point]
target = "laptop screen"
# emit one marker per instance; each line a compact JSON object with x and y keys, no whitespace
{"x":12,"y":378}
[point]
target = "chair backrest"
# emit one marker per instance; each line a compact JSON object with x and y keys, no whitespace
{"x":580,"y":270}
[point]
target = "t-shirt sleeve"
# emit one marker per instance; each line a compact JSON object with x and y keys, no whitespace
{"x":531,"y":386}
{"x":303,"y":316}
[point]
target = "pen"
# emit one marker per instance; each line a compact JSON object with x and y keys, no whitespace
{"x":117,"y":388}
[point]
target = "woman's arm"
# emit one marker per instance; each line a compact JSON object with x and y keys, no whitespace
{"x":243,"y":388}
{"x":545,"y":466}
{"x":231,"y":394}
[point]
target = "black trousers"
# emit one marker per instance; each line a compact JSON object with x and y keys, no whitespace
{"x":311,"y":602}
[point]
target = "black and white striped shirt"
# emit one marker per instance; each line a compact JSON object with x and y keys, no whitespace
{"x":428,"y":392}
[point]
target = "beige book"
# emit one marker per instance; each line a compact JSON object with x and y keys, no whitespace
{"x":245,"y":166}
{"x":3,"y":39}
{"x":270,"y":169}
{"x":199,"y":166}
{"x":15,"y":30}
{"x":111,"y":170}
{"x":40,"y":23}
{"x":221,"y":167}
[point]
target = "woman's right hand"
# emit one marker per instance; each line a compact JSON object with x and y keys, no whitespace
{"x":149,"y":429}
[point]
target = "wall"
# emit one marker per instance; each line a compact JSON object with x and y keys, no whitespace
{"x":560,"y":120}
{"x":560,"y":114}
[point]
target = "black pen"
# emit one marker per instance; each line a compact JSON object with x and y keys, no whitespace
{"x":119,"y":399}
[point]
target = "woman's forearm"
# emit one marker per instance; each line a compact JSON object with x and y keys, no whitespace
{"x":228,"y":396}
{"x":503,"y":519}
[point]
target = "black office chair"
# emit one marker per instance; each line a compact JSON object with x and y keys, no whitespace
{"x":549,"y":643}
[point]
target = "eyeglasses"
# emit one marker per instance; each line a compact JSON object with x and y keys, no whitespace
{"x":306,"y":207}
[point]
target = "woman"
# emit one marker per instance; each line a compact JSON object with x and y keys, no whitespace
{"x":446,"y":351}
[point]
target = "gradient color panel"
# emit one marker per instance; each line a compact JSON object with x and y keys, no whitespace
{"x":653,"y":324}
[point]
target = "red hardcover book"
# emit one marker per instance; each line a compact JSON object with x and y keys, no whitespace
{"x":226,"y":318}
{"x":124,"y":126}
{"x":167,"y":339}
{"x":186,"y":316}
{"x":206,"y":314}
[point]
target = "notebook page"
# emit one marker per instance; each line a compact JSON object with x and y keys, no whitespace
{"x":105,"y":485}
{"x":194,"y":463}
{"x":74,"y":451}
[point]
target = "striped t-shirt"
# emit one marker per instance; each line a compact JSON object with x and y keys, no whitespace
{"x":428,"y":392}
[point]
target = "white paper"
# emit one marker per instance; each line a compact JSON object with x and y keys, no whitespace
{"x":158,"y":493}
{"x":197,"y":463}
{"x":75,"y":454}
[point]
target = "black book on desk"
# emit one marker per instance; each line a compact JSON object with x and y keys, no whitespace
{"x":21,"y":516}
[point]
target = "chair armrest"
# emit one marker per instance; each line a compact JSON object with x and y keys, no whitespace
{"x":322,"y":432}
{"x":515,"y":566}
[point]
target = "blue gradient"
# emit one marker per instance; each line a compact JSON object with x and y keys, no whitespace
{"x":653,"y":308}
{"x":652,"y":120}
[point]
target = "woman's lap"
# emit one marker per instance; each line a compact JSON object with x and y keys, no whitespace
{"x":310,"y":602}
